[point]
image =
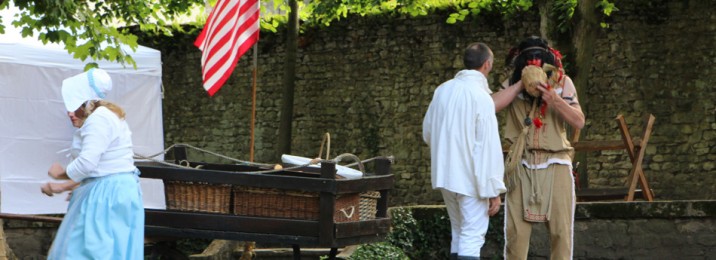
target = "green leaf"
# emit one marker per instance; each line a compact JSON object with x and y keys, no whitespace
{"x":112,"y":53}
{"x":25,"y":32}
{"x":91,"y":65}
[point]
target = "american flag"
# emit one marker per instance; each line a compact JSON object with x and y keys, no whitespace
{"x":231,"y":29}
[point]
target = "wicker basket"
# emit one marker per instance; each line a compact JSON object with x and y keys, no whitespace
{"x":264,"y":202}
{"x":199,"y":197}
{"x":369,"y":204}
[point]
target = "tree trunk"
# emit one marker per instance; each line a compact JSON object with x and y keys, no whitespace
{"x":547,"y":25}
{"x":578,"y":46}
{"x":585,"y":35}
{"x":289,"y":82}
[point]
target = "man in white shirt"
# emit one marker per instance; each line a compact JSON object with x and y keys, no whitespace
{"x":467,"y":166}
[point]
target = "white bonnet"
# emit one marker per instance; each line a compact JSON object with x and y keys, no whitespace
{"x":90,"y":85}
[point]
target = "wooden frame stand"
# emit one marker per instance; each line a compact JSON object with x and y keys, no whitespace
{"x":636,"y":153}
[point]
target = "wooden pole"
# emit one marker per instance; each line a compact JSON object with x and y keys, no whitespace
{"x":249,"y":246}
{"x":33,"y":218}
{"x":253,"y":102}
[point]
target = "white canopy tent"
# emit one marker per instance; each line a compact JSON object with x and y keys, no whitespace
{"x":34,"y":125}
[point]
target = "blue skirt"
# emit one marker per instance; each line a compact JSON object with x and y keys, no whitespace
{"x":104,"y":220}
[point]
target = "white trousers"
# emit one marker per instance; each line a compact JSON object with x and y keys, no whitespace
{"x":468,"y":222}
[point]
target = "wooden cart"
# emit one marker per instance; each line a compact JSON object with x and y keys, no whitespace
{"x":321,"y":232}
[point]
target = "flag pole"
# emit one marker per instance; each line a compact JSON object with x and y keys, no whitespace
{"x":253,"y":101}
{"x":250,"y":245}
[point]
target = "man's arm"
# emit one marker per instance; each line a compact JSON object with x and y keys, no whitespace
{"x":570,"y":111}
{"x":427,"y":126}
{"x":504,"y":97}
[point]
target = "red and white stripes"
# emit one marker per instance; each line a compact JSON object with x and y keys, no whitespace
{"x":231,"y":29}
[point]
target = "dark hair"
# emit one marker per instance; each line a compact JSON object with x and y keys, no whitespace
{"x":476,"y":54}
{"x":532,"y":47}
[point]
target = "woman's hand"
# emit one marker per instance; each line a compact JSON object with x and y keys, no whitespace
{"x":47,"y":189}
{"x":57,"y":172}
{"x":52,"y":188}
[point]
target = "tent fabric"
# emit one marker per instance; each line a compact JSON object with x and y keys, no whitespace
{"x":34,"y":126}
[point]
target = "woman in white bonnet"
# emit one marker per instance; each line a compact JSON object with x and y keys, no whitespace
{"x":105,"y":216}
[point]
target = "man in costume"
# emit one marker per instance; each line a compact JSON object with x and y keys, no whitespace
{"x":467,"y":166}
{"x":539,"y":165}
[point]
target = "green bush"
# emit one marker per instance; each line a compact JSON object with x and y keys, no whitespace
{"x":423,"y":232}
{"x":381,"y":250}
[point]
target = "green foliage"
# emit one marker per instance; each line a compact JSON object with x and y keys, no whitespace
{"x":403,"y":228}
{"x":432,"y":238}
{"x":422,"y":233}
{"x":272,"y":23}
{"x":473,"y":8}
{"x":91,"y":65}
{"x":382,"y":250}
{"x":563,"y":12}
{"x":607,"y":8}
{"x":323,"y":12}
{"x":89,"y":29}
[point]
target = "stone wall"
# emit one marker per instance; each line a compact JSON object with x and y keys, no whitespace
{"x":29,"y":240}
{"x":368,"y":81}
{"x":614,"y":230}
{"x":657,"y":57}
{"x":644,"y":230}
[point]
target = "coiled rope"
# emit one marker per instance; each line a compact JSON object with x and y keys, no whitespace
{"x":271,"y":167}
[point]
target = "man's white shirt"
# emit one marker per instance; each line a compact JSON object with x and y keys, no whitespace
{"x":461,"y":129}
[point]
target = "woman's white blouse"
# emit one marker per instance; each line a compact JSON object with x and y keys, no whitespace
{"x":106,"y":147}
